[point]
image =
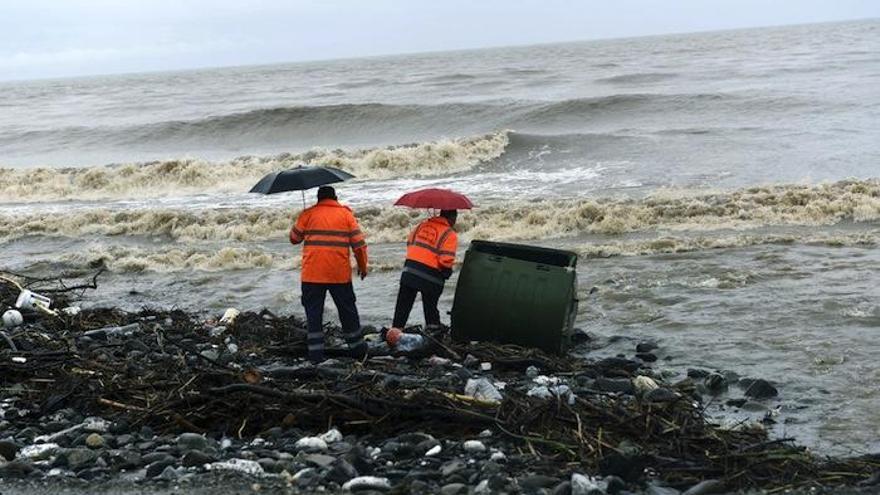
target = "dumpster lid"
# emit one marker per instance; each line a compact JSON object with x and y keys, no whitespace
{"x":524,"y":252}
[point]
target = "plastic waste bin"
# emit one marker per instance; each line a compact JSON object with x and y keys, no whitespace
{"x":516,"y":294}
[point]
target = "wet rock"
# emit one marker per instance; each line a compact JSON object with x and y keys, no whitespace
{"x":706,"y":487}
{"x":93,"y":473}
{"x":157,"y":457}
{"x":474,"y":446}
{"x":9,"y":449}
{"x":123,"y":440}
{"x":77,"y":459}
{"x":196,"y":458}
{"x":661,"y":395}
{"x":654,"y":489}
{"x":614,"y":485}
{"x":341,"y":472}
{"x":716,"y":383}
{"x":531,"y":484}
{"x":647,"y":357}
{"x":364,"y":483}
{"x":618,"y":363}
{"x":124,"y":459}
{"x":453,"y":489}
{"x":758,"y":388}
{"x":310,"y":444}
{"x":615,"y":385}
{"x":451,"y":467}
{"x":697,"y":373}
{"x":95,"y":441}
{"x":319,"y":460}
{"x":15,"y":469}
{"x":563,"y":488}
{"x":644,"y":384}
{"x":583,"y":485}
{"x":643,"y":347}
{"x":736,"y":402}
{"x":156,"y":468}
{"x":270,"y":465}
{"x":191,"y":441}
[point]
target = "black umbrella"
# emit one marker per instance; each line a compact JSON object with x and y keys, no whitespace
{"x":299,"y":179}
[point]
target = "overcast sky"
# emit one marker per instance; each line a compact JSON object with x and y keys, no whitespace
{"x":57,"y":38}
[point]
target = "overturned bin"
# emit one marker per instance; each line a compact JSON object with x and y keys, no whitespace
{"x":516,"y":294}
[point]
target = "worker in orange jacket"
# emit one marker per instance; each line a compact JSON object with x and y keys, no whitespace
{"x":430,"y":255}
{"x":327,"y":231}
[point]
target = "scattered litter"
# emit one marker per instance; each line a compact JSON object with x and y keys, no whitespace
{"x":482,"y":389}
{"x":39,"y":451}
{"x":71,"y":310}
{"x":19,"y":359}
{"x":486,"y":366}
{"x":332,"y":436}
{"x":433,"y":451}
{"x":229,"y":316}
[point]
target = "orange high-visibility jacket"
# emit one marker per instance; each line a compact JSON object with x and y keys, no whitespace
{"x":433,"y":244}
{"x":328,"y":230}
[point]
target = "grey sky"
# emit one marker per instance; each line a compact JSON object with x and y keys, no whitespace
{"x":56,"y":38}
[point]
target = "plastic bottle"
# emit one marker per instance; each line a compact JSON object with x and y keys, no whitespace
{"x":402,"y":341}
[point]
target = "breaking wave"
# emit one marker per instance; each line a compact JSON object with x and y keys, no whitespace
{"x":194,"y":176}
{"x":674,"y":210}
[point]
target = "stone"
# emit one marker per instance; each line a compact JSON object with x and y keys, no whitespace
{"x":332,"y":436}
{"x":310,"y":444}
{"x":9,"y":449}
{"x":80,"y":458}
{"x":157,"y":457}
{"x":270,"y":465}
{"x":716,"y":383}
{"x":363,"y":483}
{"x":644,"y":384}
{"x":123,"y":440}
{"x":697,"y":373}
{"x":647,"y":357}
{"x":156,"y":468}
{"x":319,"y":460}
{"x":15,"y":469}
{"x":191,"y":441}
{"x":196,"y":458}
{"x":453,"y":489}
{"x":660,"y":490}
{"x":536,"y":482}
{"x":706,"y":487}
{"x":583,"y":485}
{"x":643,"y":347}
{"x":758,"y":388}
{"x":661,"y":395}
{"x":125,"y":459}
{"x":615,"y":385}
{"x":451,"y":467}
{"x":474,"y":446}
{"x":341,"y":472}
{"x":563,"y":488}
{"x":614,"y":485}
{"x":95,"y":441}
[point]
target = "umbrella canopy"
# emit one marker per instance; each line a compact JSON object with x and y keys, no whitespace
{"x":440,"y":199}
{"x":299,"y":179}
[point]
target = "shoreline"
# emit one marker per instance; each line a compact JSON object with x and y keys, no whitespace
{"x":155,"y":399}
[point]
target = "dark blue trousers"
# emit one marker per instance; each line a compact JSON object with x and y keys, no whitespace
{"x":313,"y":296}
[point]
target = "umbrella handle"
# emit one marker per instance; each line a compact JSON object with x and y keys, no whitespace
{"x":304,"y":198}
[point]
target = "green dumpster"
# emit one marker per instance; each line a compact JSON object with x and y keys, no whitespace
{"x":516,"y":294}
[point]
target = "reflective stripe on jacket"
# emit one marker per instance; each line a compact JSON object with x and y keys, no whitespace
{"x":430,"y":250}
{"x":327,"y":231}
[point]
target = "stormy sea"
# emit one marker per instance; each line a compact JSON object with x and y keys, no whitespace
{"x":722,"y":190}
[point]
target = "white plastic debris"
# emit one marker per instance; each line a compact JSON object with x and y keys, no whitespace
{"x":366,"y":483}
{"x":310,"y":443}
{"x":32,"y":300}
{"x":39,"y":451}
{"x":239,"y":465}
{"x":12,"y":318}
{"x":229,"y":316}
{"x":497,"y":456}
{"x":474,"y":446}
{"x":545,"y":380}
{"x":19,"y":359}
{"x":482,"y":389}
{"x":486,"y":366}
{"x":433,"y":451}
{"x":332,"y":436}
{"x":541,"y":392}
{"x":90,"y":425}
{"x":644,"y":384}
{"x":71,"y":310}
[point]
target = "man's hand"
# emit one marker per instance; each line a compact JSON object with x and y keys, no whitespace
{"x":362,"y":273}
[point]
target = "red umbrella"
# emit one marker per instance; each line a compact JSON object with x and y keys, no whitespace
{"x":439,"y":199}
